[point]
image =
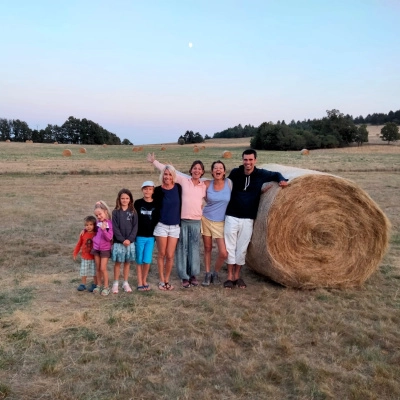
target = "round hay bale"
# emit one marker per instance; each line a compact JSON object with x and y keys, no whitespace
{"x":55,"y":143}
{"x":104,"y":145}
{"x":196,"y":149}
{"x":8,"y":141}
{"x":203,"y":147}
{"x":226,"y":154}
{"x":28,"y":141}
{"x":305,"y":152}
{"x":82,"y":150}
{"x":135,"y":149}
{"x":67,"y":153}
{"x":320,"y":231}
{"x":163,"y":148}
{"x":140,"y":148}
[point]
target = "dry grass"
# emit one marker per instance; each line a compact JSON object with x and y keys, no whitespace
{"x":265,"y":342}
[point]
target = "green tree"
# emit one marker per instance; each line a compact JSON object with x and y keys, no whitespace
{"x":361,"y":135}
{"x":390,"y":132}
{"x":127,"y":142}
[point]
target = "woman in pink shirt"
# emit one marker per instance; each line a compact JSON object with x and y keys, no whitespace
{"x":188,"y":248}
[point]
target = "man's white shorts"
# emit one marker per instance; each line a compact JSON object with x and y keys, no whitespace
{"x":237,"y":233}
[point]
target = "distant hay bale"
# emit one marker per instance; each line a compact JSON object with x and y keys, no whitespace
{"x":140,"y":148}
{"x":104,"y":145}
{"x":67,"y":153}
{"x":226,"y":154}
{"x":8,"y":141}
{"x":28,"y":141}
{"x":320,"y":231}
{"x":163,"y":148}
{"x":55,"y":143}
{"x":135,"y":149}
{"x":203,"y":147}
{"x":196,"y":149}
{"x":305,"y":152}
{"x":82,"y":150}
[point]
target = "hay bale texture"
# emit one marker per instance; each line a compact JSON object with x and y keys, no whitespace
{"x":320,"y":231}
{"x":226,"y":154}
{"x":82,"y":150}
{"x":67,"y":153}
{"x":305,"y":152}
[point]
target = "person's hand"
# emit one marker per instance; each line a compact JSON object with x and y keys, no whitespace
{"x":74,"y":258}
{"x":151,"y":157}
{"x":82,"y":232}
{"x":283,"y":183}
{"x":104,"y":225}
{"x":126,"y":242}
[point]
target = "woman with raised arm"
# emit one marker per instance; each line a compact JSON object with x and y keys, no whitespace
{"x":188,"y":248}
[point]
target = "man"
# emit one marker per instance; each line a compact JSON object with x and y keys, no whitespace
{"x":242,"y":210}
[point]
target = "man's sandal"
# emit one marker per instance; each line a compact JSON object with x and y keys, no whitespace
{"x":228,"y":284}
{"x":240,"y":284}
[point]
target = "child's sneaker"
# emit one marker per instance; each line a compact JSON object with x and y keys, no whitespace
{"x":126,"y":287}
{"x":105,"y":291}
{"x":81,"y":287}
{"x":115,"y":288}
{"x":92,"y":287}
{"x":215,"y":278}
{"x":97,"y":290}
{"x":207,"y":279}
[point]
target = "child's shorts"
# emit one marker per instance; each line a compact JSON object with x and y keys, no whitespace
{"x":88,"y":268}
{"x":121,"y":253}
{"x":144,"y":249}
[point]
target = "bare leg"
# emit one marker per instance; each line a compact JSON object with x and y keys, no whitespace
{"x":117,"y":270}
{"x":104,"y":272}
{"x":230,"y":276}
{"x":162,"y":248}
{"x":169,"y":256}
{"x":222,"y":254}
{"x":127,"y":267}
{"x":207,"y":241}
{"x":83,"y":279}
{"x":98,"y":270}
{"x":145,"y":273}
{"x":139,"y":269}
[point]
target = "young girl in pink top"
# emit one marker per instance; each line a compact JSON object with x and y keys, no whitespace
{"x":102,"y":244}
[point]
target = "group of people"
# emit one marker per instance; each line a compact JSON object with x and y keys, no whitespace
{"x":175,"y":215}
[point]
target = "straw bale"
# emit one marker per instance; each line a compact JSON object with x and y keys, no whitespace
{"x":67,"y":153}
{"x":203,"y":147}
{"x":226,"y":154}
{"x":28,"y":141}
{"x":55,"y":143}
{"x":104,"y":145}
{"x":163,"y":148}
{"x":305,"y":152}
{"x":135,"y":149}
{"x":8,"y":141}
{"x":140,"y":148}
{"x":319,"y":231}
{"x":82,"y":150}
{"x":196,"y":150}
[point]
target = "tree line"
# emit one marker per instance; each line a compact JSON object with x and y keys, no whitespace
{"x":72,"y":131}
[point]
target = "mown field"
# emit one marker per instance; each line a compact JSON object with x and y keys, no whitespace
{"x":265,"y":342}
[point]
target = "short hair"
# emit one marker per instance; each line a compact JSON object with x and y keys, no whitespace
{"x":118,"y":202}
{"x":250,"y":151}
{"x":91,"y":219}
{"x":171,"y":169}
{"x":195,"y":163}
{"x":103,"y":206}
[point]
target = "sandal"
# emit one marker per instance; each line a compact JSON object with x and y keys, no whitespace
{"x":240,"y":284}
{"x":115,"y":288}
{"x":168,"y":286}
{"x":161,"y":286}
{"x":141,"y":288}
{"x":146,"y":287}
{"x":228,"y":284}
{"x":105,"y":292}
{"x":127,"y":288}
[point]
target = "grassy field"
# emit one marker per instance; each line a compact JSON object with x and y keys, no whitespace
{"x":265,"y":342}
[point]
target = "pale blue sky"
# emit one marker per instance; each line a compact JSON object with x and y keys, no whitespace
{"x":127,"y":65}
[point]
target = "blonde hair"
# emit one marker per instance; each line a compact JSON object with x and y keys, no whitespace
{"x":171,"y":169}
{"x":103,"y":206}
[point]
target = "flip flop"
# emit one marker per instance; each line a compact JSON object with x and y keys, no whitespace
{"x":228,"y":284}
{"x":141,"y":288}
{"x":240,"y":284}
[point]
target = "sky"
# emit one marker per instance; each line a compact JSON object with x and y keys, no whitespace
{"x":128,"y":64}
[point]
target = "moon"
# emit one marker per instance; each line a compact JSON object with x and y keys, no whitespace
{"x":190,"y":44}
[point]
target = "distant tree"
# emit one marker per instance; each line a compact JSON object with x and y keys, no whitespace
{"x":390,"y":132}
{"x":5,"y":129}
{"x":207,"y":137}
{"x":191,"y":137}
{"x":361,"y":135}
{"x":181,"y":140}
{"x":127,"y":142}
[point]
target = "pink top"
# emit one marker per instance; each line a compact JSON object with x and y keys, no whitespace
{"x":192,"y":195}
